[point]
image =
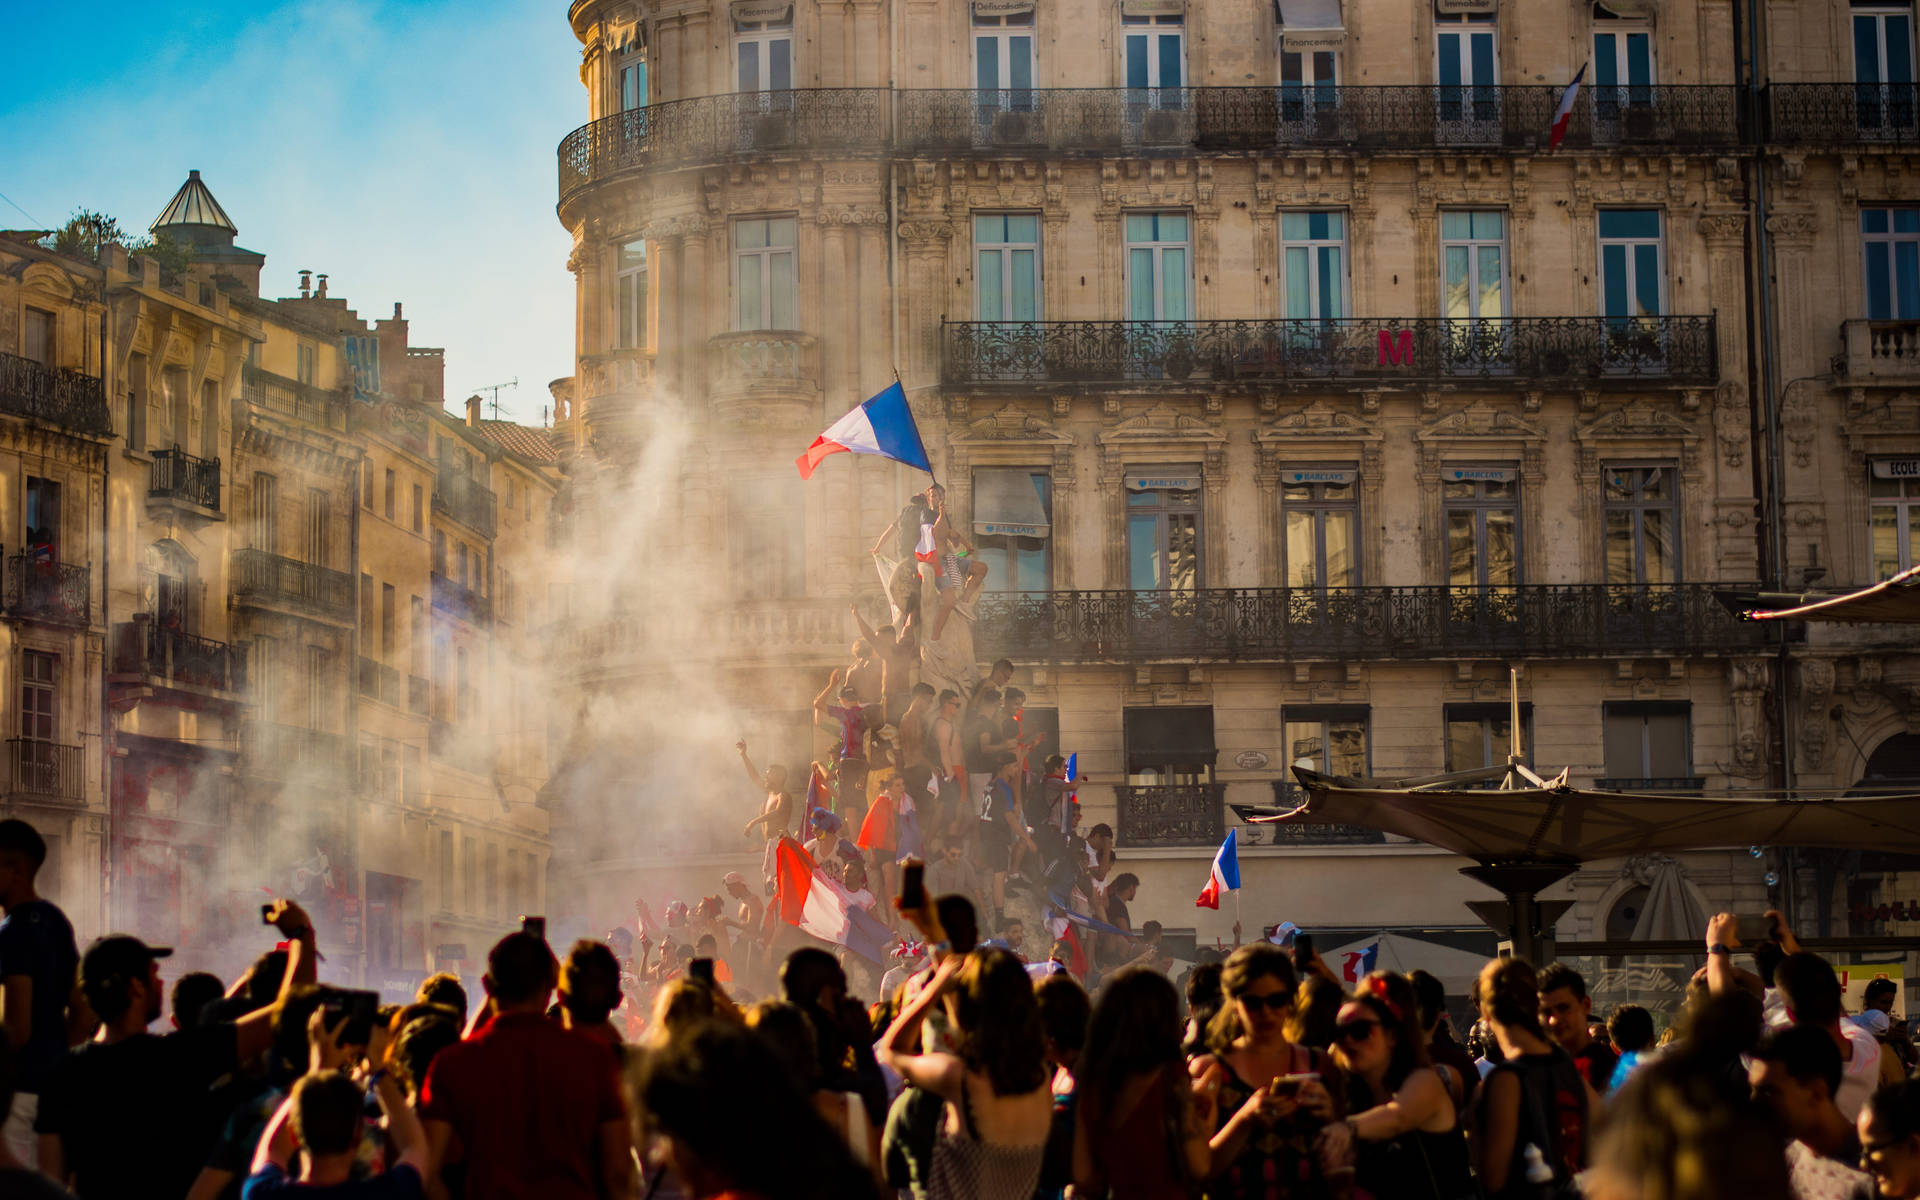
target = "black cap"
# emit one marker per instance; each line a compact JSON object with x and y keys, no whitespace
{"x":118,"y":959}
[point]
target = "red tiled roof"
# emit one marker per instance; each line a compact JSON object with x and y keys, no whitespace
{"x":524,"y":440}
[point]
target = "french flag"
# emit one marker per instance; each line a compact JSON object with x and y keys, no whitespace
{"x":1564,"y":113}
{"x":883,"y":426}
{"x":1359,"y":962}
{"x":1225,"y":876}
{"x":818,"y":904}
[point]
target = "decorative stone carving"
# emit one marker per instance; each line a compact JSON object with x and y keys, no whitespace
{"x":1731,"y":421}
{"x":1798,"y":424}
{"x":1816,"y":726}
{"x":1012,"y":424}
{"x":1747,"y":684}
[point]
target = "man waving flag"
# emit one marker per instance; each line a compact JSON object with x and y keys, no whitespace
{"x":1225,"y":876}
{"x":882,"y":426}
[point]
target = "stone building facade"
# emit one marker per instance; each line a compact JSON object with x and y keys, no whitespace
{"x":1296,"y":386}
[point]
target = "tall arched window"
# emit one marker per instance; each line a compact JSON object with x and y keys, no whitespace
{"x":169,"y":585}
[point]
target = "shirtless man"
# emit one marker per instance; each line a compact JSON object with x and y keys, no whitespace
{"x":899,"y":661}
{"x":775,"y":816}
{"x":950,"y":764}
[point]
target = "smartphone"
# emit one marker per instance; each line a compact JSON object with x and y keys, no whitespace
{"x":1302,"y":947}
{"x":913,"y":885}
{"x":1753,"y":930}
{"x":700,"y":969}
{"x":537,"y":926}
{"x":360,"y":1009}
{"x":1287,"y":1085}
{"x":266,"y":914}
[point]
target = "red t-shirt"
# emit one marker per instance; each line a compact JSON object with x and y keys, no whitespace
{"x":527,"y":1099}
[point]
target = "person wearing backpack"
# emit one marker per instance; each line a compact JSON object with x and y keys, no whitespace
{"x":1531,"y":1126}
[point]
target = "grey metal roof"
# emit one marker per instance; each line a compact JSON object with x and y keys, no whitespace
{"x":193,"y":204}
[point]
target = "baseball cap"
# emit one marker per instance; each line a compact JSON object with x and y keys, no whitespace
{"x":732,"y":877}
{"x":117,"y":959}
{"x":1873,"y":1021}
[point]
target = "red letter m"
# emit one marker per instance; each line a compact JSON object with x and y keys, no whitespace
{"x":1398,"y":352}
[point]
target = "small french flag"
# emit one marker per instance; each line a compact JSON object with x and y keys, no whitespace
{"x":1564,"y":113}
{"x":923,"y":550}
{"x":882,"y":426}
{"x":1225,"y":876}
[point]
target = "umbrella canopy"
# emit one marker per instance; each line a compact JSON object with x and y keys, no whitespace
{"x":1457,"y":969}
{"x":1672,"y":910}
{"x":1896,"y":601}
{"x":1574,"y":825}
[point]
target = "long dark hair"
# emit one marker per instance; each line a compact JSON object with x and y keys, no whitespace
{"x":717,"y":1079}
{"x":1509,"y":994}
{"x":1000,"y":1032}
{"x":1244,"y":968}
{"x":1135,"y":1032}
{"x":1389,"y":997}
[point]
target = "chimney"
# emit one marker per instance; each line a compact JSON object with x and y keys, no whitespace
{"x":473,"y":412}
{"x":320,"y":293}
{"x":396,"y":310}
{"x":306,"y":283}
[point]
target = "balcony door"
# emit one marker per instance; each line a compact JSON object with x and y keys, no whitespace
{"x":1475,"y":293}
{"x":1622,"y":77}
{"x":1155,"y":67}
{"x":1467,"y":70}
{"x":1632,"y":288}
{"x":1890,"y":243}
{"x":1481,"y":508}
{"x":1883,"y":69}
{"x":1003,"y":74}
{"x":1163,"y":531}
{"x":1309,"y":80}
{"x":763,"y":79}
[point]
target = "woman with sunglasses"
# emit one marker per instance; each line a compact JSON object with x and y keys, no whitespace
{"x":1534,"y":1101}
{"x":1277,"y":1135}
{"x":1406,"y":1131}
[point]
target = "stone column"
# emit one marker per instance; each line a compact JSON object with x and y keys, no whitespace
{"x":669,"y":250}
{"x":1113,"y":481}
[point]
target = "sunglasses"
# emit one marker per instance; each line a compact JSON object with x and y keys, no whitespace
{"x":1275,"y":1002}
{"x":1354,"y":1031}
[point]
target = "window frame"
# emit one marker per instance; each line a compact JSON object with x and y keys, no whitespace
{"x":631,"y":284}
{"x":1164,"y":512}
{"x":1325,"y":715}
{"x":1879,"y":14}
{"x":1906,"y":507}
{"x":1659,"y":243}
{"x":1642,"y":710}
{"x":1479,"y":505}
{"x":997,"y":552}
{"x":1005,"y":253}
{"x":1002,"y":31}
{"x":765,"y":255}
{"x":1486,"y":716}
{"x":1318,"y":506}
{"x":631,"y":68}
{"x":1151,"y":29}
{"x":1638,"y":508}
{"x":49,"y":324}
{"x":1157,"y":249}
{"x":763,"y":35}
{"x":1891,"y":239}
{"x":39,"y":695}
{"x":1474,"y":244}
{"x":1315,"y":248}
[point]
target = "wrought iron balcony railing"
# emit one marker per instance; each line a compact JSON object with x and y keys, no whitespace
{"x":177,"y":475}
{"x":1680,"y":783}
{"x":1844,"y":114}
{"x":40,"y":589}
{"x":1534,"y":621}
{"x":184,"y":659}
{"x":1069,"y":121}
{"x":1172,"y":814}
{"x":276,"y":579}
{"x":378,"y":681}
{"x":304,"y":402}
{"x":1518,"y":350}
{"x":69,"y":399}
{"x":466,"y":500}
{"x":462,"y":602}
{"x":279,"y":751}
{"x":1287,"y":795}
{"x":45,"y":771}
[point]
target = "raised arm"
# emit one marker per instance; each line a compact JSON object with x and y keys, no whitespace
{"x":881,"y":542}
{"x":825,"y":697}
{"x":1722,"y":941}
{"x":1420,"y":1098}
{"x":937,"y":1073}
{"x":866,"y":630}
{"x":753,"y":773}
{"x":254,"y":1032}
{"x":276,"y":1144}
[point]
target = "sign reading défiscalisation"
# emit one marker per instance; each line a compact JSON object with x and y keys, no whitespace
{"x":1466,"y":6}
{"x":1896,"y":468}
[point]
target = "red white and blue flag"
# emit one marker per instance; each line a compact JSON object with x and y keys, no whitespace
{"x":1225,"y":876}
{"x":1359,"y":962}
{"x":882,"y":426}
{"x":1564,"y":113}
{"x":819,"y":904}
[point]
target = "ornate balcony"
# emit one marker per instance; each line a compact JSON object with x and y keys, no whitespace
{"x":302,"y":402}
{"x":1284,"y":624}
{"x":177,"y":475}
{"x":464,"y":499}
{"x":377,"y":681}
{"x":1171,"y":814}
{"x":43,"y":590}
{"x":1518,"y":352}
{"x":46,"y":772}
{"x":877,"y":122}
{"x":1681,"y":783}
{"x":766,"y":374}
{"x":1882,"y":352}
{"x":1844,"y":114}
{"x":274,"y":579}
{"x":70,"y":400}
{"x":450,"y":597}
{"x":178,"y":659}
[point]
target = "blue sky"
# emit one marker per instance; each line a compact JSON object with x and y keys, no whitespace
{"x":404,"y":148}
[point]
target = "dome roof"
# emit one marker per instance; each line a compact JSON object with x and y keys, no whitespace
{"x":193,"y":204}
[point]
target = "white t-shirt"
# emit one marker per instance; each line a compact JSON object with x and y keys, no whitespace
{"x":1815,"y":1178}
{"x":1860,"y":1075}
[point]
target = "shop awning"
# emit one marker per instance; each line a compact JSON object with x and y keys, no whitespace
{"x":1574,"y":825}
{"x":1896,"y":601}
{"x":1007,"y":503}
{"x":1159,"y":737}
{"x":1309,"y":25}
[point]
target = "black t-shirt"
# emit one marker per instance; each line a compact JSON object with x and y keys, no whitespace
{"x":130,"y":1116}
{"x":972,"y":730}
{"x":1596,"y":1062}
{"x":30,"y":1185}
{"x":37,"y":941}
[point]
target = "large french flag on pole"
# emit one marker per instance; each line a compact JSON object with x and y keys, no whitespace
{"x":816,"y":902}
{"x":883,"y":426}
{"x":1564,"y":113}
{"x":1225,"y":876}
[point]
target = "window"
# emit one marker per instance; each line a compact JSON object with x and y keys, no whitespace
{"x":463,"y":686}
{"x":446,"y":867}
{"x":1481,"y":735}
{"x":43,"y":519}
{"x":173,"y":383}
{"x":366,"y":606}
{"x":263,"y":677}
{"x":1467,"y":68}
{"x":1890,"y":239}
{"x":36,"y":340}
{"x":1483,"y":517}
{"x":1894,"y":515}
{"x":1473,"y":261}
{"x":305,"y":363}
{"x":1642,"y":528}
{"x":1007,"y":266}
{"x":1308,"y":77}
{"x":1012,"y":528}
{"x":632,"y":78}
{"x":389,"y":600}
{"x":470,"y":873}
{"x":1313,"y":265}
{"x":1003,"y":61}
{"x":417,"y":640}
{"x":513,"y":884}
{"x":266,"y":512}
{"x":410,"y":775}
{"x":419,"y":508}
{"x":630,"y":285}
{"x":1883,"y":66}
{"x":439,"y":552}
{"x":366,"y":488}
{"x":1163,"y":530}
{"x":1169,"y":746}
{"x":1647,"y":745}
{"x":1158,"y":274}
{"x":763,"y":273}
{"x":386,"y":496}
{"x":319,"y":527}
{"x":1632,"y":278}
{"x":1331,"y":739}
{"x":1321,"y":510}
{"x":506,"y":595}
{"x":493,"y":878}
{"x":137,"y":401}
{"x":765,"y":535}
{"x":210,"y":421}
{"x":1156,"y":55}
{"x":461,"y":556}
{"x":38,"y":713}
{"x":763,"y":54}
{"x":319,"y":668}
{"x":1622,"y":63}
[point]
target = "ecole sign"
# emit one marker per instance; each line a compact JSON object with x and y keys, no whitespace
{"x":1896,"y":468}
